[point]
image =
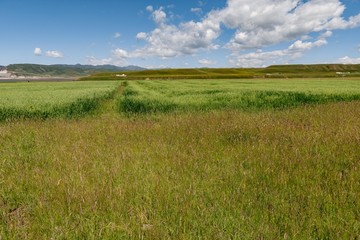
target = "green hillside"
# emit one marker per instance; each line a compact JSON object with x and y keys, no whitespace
{"x":315,"y":68}
{"x":109,"y":72}
{"x":276,"y":71}
{"x":63,"y":70}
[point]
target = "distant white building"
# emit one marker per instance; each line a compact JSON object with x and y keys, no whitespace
{"x":121,"y":75}
{"x":4,"y":73}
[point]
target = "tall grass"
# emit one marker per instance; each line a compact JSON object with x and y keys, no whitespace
{"x":290,"y":174}
{"x":222,"y":174}
{"x":195,"y":95}
{"x":45,"y":100}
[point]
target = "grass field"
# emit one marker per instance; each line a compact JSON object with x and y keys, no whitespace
{"x":187,"y":174}
{"x":56,"y":99}
{"x":199,"y":95}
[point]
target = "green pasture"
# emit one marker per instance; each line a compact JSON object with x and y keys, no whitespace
{"x":230,"y":159}
{"x":253,"y":94}
{"x":52,"y":99}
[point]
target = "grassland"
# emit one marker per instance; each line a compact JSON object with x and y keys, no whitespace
{"x":200,"y":95}
{"x":187,"y":174}
{"x":44,"y":100}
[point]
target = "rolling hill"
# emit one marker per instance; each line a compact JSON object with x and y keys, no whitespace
{"x":275,"y":71}
{"x":110,"y":72}
{"x":64,"y":70}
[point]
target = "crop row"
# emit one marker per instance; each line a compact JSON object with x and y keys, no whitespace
{"x":198,"y":95}
{"x":75,"y":99}
{"x":45,"y":100}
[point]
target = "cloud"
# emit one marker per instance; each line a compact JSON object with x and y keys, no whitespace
{"x":141,"y":36}
{"x":91,"y":60}
{"x":159,"y":16}
{"x":117,"y":35}
{"x":118,"y":57}
{"x":54,"y":54}
{"x":256,"y":59}
{"x":168,"y":40}
{"x":37,"y":52}
{"x":149,"y":8}
{"x":260,"y":58}
{"x":257,"y":24}
{"x":120,"y":53}
{"x":206,"y":62}
{"x":300,"y":46}
{"x":113,"y":60}
{"x":196,"y":10}
{"x":267,"y":22}
{"x":326,"y":34}
{"x":349,"y":60}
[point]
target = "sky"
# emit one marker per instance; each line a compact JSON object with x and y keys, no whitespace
{"x":180,"y":33}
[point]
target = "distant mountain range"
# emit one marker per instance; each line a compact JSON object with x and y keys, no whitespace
{"x":63,"y":70}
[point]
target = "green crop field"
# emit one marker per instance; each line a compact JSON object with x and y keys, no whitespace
{"x":194,"y":159}
{"x":280,"y":71}
{"x":57,"y":99}
{"x":164,"y":96}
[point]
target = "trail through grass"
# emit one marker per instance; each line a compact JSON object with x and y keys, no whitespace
{"x":107,"y":107}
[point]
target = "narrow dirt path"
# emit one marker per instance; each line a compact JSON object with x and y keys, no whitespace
{"x":109,"y":106}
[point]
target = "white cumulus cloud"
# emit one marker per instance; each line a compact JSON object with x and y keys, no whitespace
{"x":118,"y":57}
{"x":261,"y":58}
{"x":149,"y":8}
{"x":266,"y":22}
{"x":168,"y":40}
{"x":120,"y":53}
{"x":256,"y":24}
{"x":159,"y":16}
{"x":54,"y":54}
{"x":349,"y":60}
{"x":37,"y":52}
{"x":141,"y":36}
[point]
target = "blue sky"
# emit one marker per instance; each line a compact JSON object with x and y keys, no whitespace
{"x":191,"y":33}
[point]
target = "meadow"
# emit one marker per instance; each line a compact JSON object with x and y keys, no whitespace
{"x":52,"y":99}
{"x":158,"y":96}
{"x":288,"y":171}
